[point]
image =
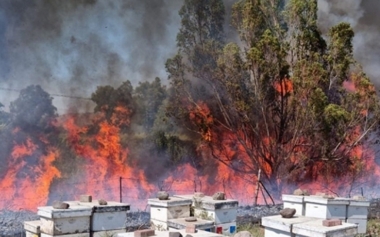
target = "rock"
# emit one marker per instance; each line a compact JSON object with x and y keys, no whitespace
{"x":301,"y":192}
{"x":60,"y":205}
{"x":358,"y":197}
{"x":191,"y":219}
{"x":199,"y":195}
{"x":287,"y":212}
{"x":163,"y":195}
{"x":243,"y":233}
{"x":102,"y":202}
{"x":219,"y":196}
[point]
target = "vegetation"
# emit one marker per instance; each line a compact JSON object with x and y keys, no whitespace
{"x":282,"y":99}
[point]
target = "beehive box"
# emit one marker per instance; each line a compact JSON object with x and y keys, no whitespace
{"x":69,"y":235}
{"x":32,"y":228}
{"x":181,"y":223}
{"x":316,"y":229}
{"x":269,"y":232}
{"x":107,"y":233}
{"x":226,"y":228}
{"x":296,"y":202}
{"x":358,"y":209}
{"x":74,"y":220}
{"x":199,"y":233}
{"x":163,"y":210}
{"x":325,"y":208}
{"x":283,"y":225}
{"x":361,"y":223}
{"x":158,"y":225}
{"x":219,"y":211}
{"x":112,"y":216}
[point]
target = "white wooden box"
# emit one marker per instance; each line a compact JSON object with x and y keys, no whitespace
{"x":163,"y":210}
{"x":112,"y":216}
{"x":269,"y":232}
{"x":227,"y":228}
{"x":218,"y":216}
{"x":180,"y":223}
{"x":30,"y":234}
{"x":358,"y":209}
{"x":283,"y":224}
{"x":32,"y":228}
{"x":325,"y":208}
{"x":361,"y":223}
{"x":316,"y":229}
{"x":158,"y":225}
{"x":296,"y":202}
{"x":69,"y":235}
{"x":166,"y":213}
{"x":74,"y":220}
{"x":107,"y":233}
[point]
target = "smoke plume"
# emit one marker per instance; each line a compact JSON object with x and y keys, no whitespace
{"x":70,"y":47}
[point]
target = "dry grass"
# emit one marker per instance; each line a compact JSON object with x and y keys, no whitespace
{"x":255,"y":229}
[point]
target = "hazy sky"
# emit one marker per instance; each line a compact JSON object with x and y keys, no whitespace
{"x":72,"y":46}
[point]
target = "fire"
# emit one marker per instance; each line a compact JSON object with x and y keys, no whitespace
{"x":26,"y":185}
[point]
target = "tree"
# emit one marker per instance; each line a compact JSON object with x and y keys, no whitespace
{"x":117,"y":105}
{"x":33,"y":109}
{"x":281,"y":102}
{"x":149,"y":96}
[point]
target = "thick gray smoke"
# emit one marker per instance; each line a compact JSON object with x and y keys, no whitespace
{"x":72,"y":46}
{"x":364,"y":17}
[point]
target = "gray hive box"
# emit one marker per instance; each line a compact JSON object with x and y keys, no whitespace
{"x":112,"y":216}
{"x":357,"y":213}
{"x":325,"y":208}
{"x":74,"y":220}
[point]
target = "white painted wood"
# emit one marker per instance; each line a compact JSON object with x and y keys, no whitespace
{"x":108,"y":221}
{"x":108,"y":233}
{"x":158,"y":225}
{"x":32,"y":226}
{"x":316,"y":229}
{"x":283,"y":224}
{"x":63,"y":226}
{"x":181,"y":223}
{"x":166,"y":213}
{"x":325,"y":210}
{"x":31,"y":234}
{"x":219,"y":216}
{"x":73,"y":211}
{"x":70,"y":235}
{"x":173,"y":201}
{"x":358,"y":209}
{"x":269,"y":232}
{"x":362,"y":224}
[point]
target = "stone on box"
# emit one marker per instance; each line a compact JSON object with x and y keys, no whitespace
{"x":144,"y":233}
{"x":331,"y":222}
{"x":85,"y":198}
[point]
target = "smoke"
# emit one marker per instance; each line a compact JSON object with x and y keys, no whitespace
{"x":364,"y":18}
{"x":70,"y":47}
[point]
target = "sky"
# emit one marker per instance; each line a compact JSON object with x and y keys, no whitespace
{"x":70,"y":47}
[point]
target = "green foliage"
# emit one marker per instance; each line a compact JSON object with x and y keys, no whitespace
{"x":148,"y":97}
{"x":109,"y":99}
{"x":33,"y":109}
{"x":282,"y":94}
